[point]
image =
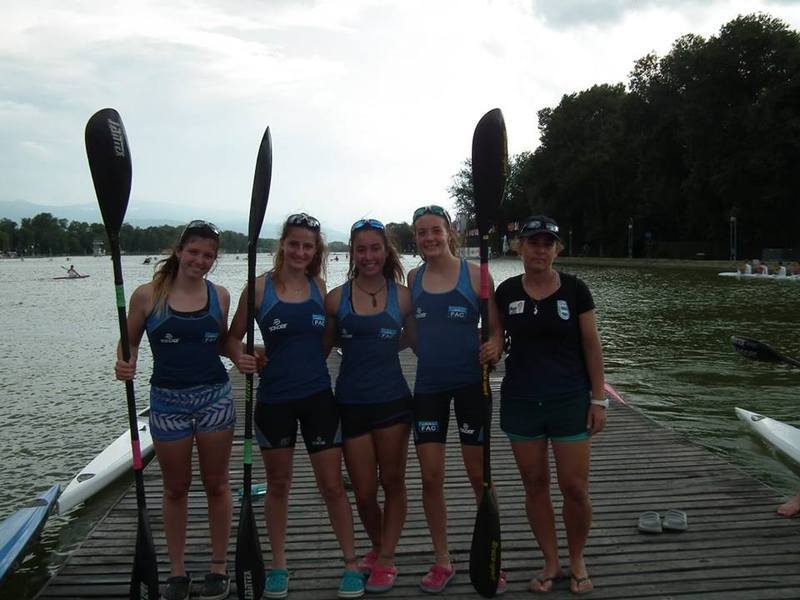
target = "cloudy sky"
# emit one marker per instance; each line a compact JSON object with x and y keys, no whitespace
{"x":371,"y":103}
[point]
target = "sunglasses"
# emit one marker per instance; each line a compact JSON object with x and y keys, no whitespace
{"x":371,"y":223}
{"x":303,"y":220}
{"x":535,"y":224}
{"x":199,"y":224}
{"x":431,"y":209}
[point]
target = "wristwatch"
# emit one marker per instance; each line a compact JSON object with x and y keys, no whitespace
{"x":604,"y":402}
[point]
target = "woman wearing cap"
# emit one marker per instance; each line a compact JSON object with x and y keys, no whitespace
{"x":294,"y":388}
{"x":367,"y":314}
{"x":552,"y":390}
{"x":445,"y":292}
{"x":186,"y":320}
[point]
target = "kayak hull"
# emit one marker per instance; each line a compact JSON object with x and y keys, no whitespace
{"x":22,"y":527}
{"x":759,"y":276}
{"x":107,"y":466}
{"x":78,"y":277}
{"x":779,"y":435}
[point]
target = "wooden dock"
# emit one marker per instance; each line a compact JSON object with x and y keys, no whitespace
{"x":736,"y":547}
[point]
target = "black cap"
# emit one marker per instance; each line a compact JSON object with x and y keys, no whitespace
{"x":539,"y":224}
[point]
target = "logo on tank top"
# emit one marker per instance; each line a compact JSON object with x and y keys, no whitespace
{"x":345,"y":334}
{"x":428,"y":426}
{"x":387,"y":334}
{"x":318,"y":320}
{"x":563,"y":309}
{"x":318,"y":442}
{"x":457,"y":312}
{"x":516,"y":308}
{"x":420,"y":313}
{"x":170,"y":339}
{"x":465,"y":429}
{"x":277,"y":325}
{"x":210,"y":337}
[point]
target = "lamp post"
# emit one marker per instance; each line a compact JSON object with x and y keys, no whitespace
{"x":630,"y":237}
{"x":733,"y":237}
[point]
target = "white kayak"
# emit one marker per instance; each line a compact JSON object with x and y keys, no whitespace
{"x":781,"y":436}
{"x":104,"y":468}
{"x":775,"y":277}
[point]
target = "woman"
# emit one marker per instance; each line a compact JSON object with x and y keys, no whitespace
{"x":552,"y":390}
{"x":295,"y":387}
{"x":186,"y":318}
{"x":367,"y":314}
{"x":445,"y":292}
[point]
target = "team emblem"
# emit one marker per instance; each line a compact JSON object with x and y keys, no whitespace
{"x":563,"y":309}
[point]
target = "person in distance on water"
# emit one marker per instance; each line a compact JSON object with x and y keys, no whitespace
{"x":445,"y":292}
{"x":295,"y":387}
{"x":367,"y":315}
{"x":71,"y":272}
{"x":186,"y":320}
{"x":552,"y":392}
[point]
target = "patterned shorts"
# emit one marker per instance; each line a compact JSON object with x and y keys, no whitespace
{"x":178,"y":413}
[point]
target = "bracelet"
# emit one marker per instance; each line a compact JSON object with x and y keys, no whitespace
{"x":604,"y":402}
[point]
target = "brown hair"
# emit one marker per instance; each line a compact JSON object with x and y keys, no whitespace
{"x":166,"y":269}
{"x":452,"y":239}
{"x":392,"y":267}
{"x":318,"y":265}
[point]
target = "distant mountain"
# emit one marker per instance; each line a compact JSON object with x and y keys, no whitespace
{"x":144,"y":215}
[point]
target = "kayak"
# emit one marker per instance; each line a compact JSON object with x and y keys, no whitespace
{"x":74,"y":277}
{"x":781,"y":436}
{"x":107,"y":466}
{"x":21,"y":528}
{"x":759,"y":276}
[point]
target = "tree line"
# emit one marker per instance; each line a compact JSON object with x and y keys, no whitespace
{"x":698,"y":153}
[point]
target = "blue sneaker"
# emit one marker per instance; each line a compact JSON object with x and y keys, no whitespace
{"x":352,"y":585}
{"x":277,"y":585}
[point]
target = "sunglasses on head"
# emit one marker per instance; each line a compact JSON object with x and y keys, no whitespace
{"x":535,"y":224}
{"x":303,"y":220}
{"x":200,"y":225}
{"x":431,"y":209}
{"x":364,"y":223}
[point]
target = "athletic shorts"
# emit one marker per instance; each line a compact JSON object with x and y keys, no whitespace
{"x":432,"y":415}
{"x":179,"y":413}
{"x":360,"y":419}
{"x":318,"y":415}
{"x":560,"y":418}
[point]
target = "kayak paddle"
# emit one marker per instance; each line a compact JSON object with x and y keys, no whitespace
{"x":760,"y":351}
{"x":489,"y":163}
{"x":249,"y":562}
{"x":110,"y":164}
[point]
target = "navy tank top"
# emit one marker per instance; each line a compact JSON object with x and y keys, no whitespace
{"x":292,"y":333}
{"x":447,"y":335}
{"x":184,"y":345}
{"x":370,"y":372}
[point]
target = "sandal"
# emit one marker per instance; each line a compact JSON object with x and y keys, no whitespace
{"x":576,"y":583}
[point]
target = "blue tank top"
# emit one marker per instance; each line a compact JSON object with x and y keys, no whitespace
{"x":184,"y":345}
{"x":292,"y":333}
{"x":370,"y":372}
{"x":447,"y":335}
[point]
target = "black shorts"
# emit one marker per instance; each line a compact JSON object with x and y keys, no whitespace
{"x":432,"y":415}
{"x":318,"y":415}
{"x":561,"y":418}
{"x":359,"y":419}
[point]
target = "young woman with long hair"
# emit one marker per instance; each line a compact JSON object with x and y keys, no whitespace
{"x":294,"y":388}
{"x":186,"y":320}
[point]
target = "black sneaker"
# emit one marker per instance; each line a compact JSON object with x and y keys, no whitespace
{"x":216,"y":586}
{"x":178,"y":588}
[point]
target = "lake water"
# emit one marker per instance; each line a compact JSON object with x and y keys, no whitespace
{"x":665,"y":334}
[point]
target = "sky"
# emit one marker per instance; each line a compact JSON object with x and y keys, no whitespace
{"x":371,"y":104}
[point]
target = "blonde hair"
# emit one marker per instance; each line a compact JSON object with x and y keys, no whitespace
{"x":318,"y":265}
{"x":392,"y":266}
{"x":166,"y":270}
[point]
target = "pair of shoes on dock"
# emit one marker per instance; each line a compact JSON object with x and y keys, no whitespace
{"x":216,"y":586}
{"x":277,"y":584}
{"x":652,"y":522}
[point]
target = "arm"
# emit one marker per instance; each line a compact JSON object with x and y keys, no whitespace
{"x":492,"y":348}
{"x":234,"y":349}
{"x":140,"y":306}
{"x":408,"y":337}
{"x":331,"y":326}
{"x":224,"y":298}
{"x":593,"y":353}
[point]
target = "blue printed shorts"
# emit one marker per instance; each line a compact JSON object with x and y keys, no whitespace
{"x":178,"y":413}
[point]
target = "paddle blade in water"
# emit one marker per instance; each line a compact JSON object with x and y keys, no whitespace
{"x":760,"y":351}
{"x":144,"y":577}
{"x":110,"y":165}
{"x":484,"y":555}
{"x":249,"y":563}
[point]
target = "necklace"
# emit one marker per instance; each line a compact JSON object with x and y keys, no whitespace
{"x":371,"y":294}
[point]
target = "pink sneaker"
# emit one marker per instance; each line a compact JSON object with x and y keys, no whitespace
{"x":437,"y":579}
{"x":366,"y":564}
{"x":381,"y":579}
{"x":501,"y":583}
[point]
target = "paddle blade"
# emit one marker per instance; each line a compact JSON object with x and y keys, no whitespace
{"x":484,"y":555}
{"x":249,"y":563}
{"x":489,"y":166}
{"x":144,"y":577}
{"x":261,"y":182}
{"x":760,"y":351}
{"x":110,"y":164}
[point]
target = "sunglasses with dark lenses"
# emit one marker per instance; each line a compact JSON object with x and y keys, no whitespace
{"x":371,"y":223}
{"x":539,"y":224}
{"x":199,"y":224}
{"x":431,"y":209}
{"x":303,"y":220}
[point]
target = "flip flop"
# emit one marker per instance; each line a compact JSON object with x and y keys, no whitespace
{"x":650,"y":522}
{"x":675,"y":520}
{"x":542,"y":581}
{"x":579,"y":581}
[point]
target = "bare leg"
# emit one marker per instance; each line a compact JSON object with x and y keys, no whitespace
{"x":431,"y":457}
{"x":790,"y":508}
{"x":214,"y":452}
{"x":175,"y":459}
{"x":359,"y":454}
{"x":473,"y":463}
{"x":278,"y":463}
{"x":391,"y":444}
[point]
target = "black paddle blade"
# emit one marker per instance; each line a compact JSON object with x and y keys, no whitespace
{"x":489,"y":166}
{"x":144,"y":577}
{"x":110,"y":164}
{"x":249,"y":563}
{"x":261,"y":182}
{"x":484,"y":555}
{"x":760,"y":351}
